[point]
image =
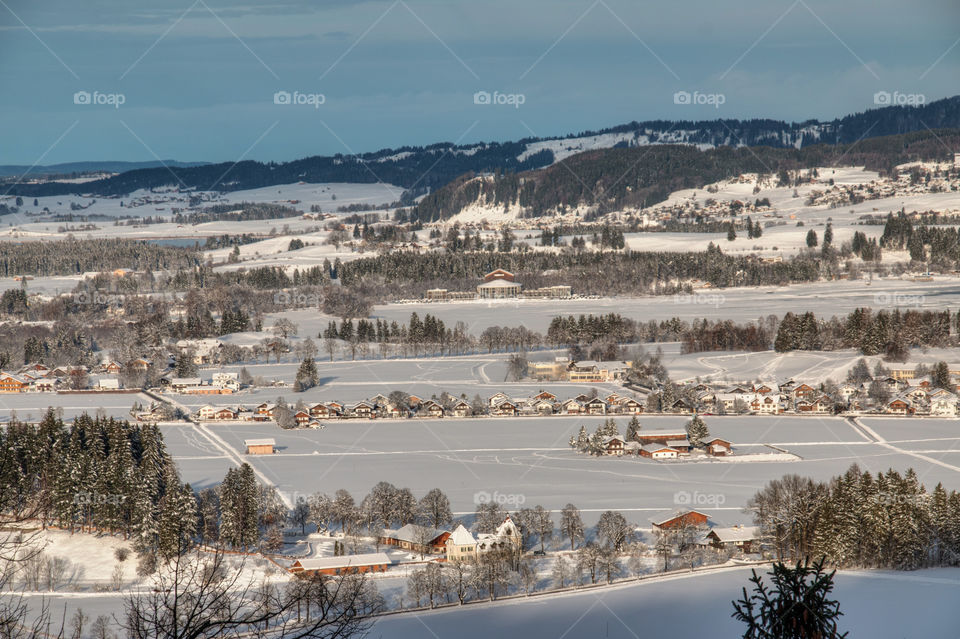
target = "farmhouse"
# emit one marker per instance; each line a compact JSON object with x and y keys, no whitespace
{"x":682,"y":519}
{"x":11,"y":383}
{"x":426,"y":541}
{"x":742,"y":538}
{"x":613,"y":446}
{"x":658,"y":451}
{"x":369,"y":562}
{"x":431,"y":408}
{"x":262,"y":446}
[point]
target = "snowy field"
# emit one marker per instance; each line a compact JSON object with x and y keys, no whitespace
{"x":144,"y":203}
{"x":693,"y":607}
{"x":527,"y":461}
{"x":33,"y":405}
{"x":651,"y":608}
{"x":739,"y":304}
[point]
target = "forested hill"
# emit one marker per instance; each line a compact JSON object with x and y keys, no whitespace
{"x":613,"y":179}
{"x":420,"y":169}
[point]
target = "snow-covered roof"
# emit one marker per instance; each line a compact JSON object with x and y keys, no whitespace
{"x":499,"y":284}
{"x":462,"y":537}
{"x":653,"y":448}
{"x":343,"y":561}
{"x":412,"y":533}
{"x":264,"y":441}
{"x":735,"y":533}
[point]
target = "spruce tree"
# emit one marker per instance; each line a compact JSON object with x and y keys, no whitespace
{"x":697,"y":431}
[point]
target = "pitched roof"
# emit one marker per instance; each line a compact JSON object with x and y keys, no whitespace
{"x":462,"y":537}
{"x":411,"y":533}
{"x":736,"y":533}
{"x":344,"y":561}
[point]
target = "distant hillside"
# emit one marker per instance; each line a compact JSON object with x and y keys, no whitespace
{"x":613,"y":179}
{"x":422,"y":169}
{"x":70,"y":168}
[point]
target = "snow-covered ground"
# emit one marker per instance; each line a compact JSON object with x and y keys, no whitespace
{"x":739,"y":304}
{"x":691,"y":607}
{"x":528,"y":461}
{"x":29,"y":406}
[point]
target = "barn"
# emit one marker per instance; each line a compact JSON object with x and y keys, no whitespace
{"x":263,"y":446}
{"x":681,"y":519}
{"x":719,"y":447}
{"x":344,"y":564}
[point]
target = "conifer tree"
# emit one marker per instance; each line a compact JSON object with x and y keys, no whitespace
{"x":697,"y":431}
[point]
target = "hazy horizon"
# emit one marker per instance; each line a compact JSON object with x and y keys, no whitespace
{"x":204,"y":80}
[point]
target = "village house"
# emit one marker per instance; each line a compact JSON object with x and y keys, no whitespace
{"x":943,"y":404}
{"x":595,"y":406}
{"x":820,"y":405}
{"x":570,"y":407}
{"x":900,"y":406}
{"x":658,"y":451}
{"x":430,"y":408}
{"x":319,"y":411}
{"x":362,"y":410}
{"x":742,"y":538}
{"x":505,"y":408}
{"x":804,"y":391}
{"x":613,"y":446}
{"x":12,"y":383}
{"x":629,"y":406}
{"x":460,"y":409}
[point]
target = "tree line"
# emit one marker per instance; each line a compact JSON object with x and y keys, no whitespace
{"x":860,"y":519}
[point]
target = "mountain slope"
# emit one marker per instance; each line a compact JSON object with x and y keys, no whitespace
{"x":614,"y":179}
{"x":422,"y":169}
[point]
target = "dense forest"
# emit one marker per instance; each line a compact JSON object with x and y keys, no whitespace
{"x":859,"y":519}
{"x":420,"y":169}
{"x":613,"y":179}
{"x":76,"y":256}
{"x":606,"y":273}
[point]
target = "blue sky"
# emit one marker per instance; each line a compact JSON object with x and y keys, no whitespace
{"x":197,"y":78}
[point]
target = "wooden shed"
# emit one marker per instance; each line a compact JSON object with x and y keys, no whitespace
{"x":263,"y":446}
